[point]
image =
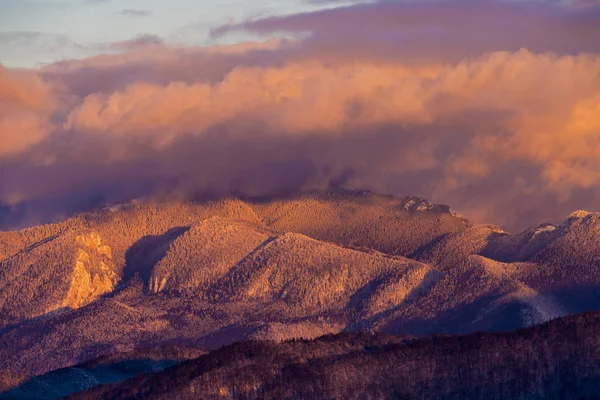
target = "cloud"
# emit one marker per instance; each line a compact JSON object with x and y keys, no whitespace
{"x":337,"y":2}
{"x":17,"y":46}
{"x":130,"y":12}
{"x":26,"y":105}
{"x":19,"y":36}
{"x":510,"y":137}
{"x":40,"y":39}
{"x":142,"y":41}
{"x":437,"y":30}
{"x":38,"y":4}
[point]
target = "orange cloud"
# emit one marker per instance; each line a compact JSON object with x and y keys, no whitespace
{"x":494,"y":129}
{"x":26,"y":103}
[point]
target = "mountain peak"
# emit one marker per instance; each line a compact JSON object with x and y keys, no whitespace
{"x":415,"y":204}
{"x":579,"y":214}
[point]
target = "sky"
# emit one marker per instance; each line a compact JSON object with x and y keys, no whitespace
{"x":490,"y":106}
{"x":38,"y":32}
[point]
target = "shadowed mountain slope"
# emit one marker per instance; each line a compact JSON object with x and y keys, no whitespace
{"x":108,"y":369}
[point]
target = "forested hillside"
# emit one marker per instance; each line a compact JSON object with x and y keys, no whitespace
{"x":556,"y":360}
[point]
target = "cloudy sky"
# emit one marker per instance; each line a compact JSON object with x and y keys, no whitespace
{"x":37,"y":32}
{"x":489,"y":106}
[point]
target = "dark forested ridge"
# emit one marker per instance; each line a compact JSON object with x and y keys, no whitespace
{"x":106,"y":369}
{"x":555,"y":360}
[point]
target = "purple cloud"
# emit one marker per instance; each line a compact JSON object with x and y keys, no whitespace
{"x":439,"y":29}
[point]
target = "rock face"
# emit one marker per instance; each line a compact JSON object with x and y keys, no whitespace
{"x":94,"y":274}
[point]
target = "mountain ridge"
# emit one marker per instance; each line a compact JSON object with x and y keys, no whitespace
{"x":210,"y":274}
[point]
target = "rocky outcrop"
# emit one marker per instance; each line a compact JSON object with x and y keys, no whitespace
{"x":93,"y":273}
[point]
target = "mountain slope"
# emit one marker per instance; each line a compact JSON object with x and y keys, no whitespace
{"x":392,"y":225}
{"x":453,"y":249}
{"x":310,"y":286}
{"x":308,"y":274}
{"x":108,"y":369}
{"x":205,"y":253}
{"x":69,"y":270}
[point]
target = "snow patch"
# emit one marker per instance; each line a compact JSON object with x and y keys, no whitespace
{"x":579,"y":214}
{"x":542,"y":308}
{"x":543,"y":229}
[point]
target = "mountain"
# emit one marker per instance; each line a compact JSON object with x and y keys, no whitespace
{"x":556,"y":360}
{"x":204,"y":275}
{"x":135,"y":237}
{"x":361,"y":219}
{"x":290,"y":279}
{"x":561,"y":261}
